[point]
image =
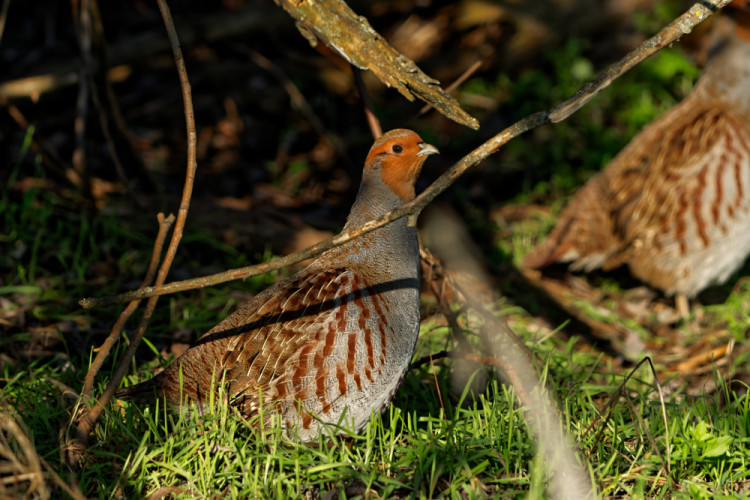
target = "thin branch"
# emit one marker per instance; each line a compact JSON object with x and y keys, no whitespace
{"x":83,"y":27}
{"x":51,"y":159}
{"x":72,"y":491}
{"x":88,"y":419}
{"x":96,"y":72}
{"x":671,"y":33}
{"x":453,"y":86}
{"x":372,"y":120}
{"x":430,"y":358}
{"x":504,"y":350}
{"x":4,"y":17}
{"x":439,"y":280}
{"x":611,"y":404}
{"x":437,"y":387}
{"x":683,"y":25}
{"x":297,"y":100}
{"x":101,"y":354}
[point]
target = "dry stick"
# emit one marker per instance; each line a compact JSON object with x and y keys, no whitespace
{"x":568,"y":479}
{"x":641,"y":424}
{"x":453,"y":86}
{"x":88,"y":419}
{"x":51,"y":159}
{"x":436,"y":273}
{"x":438,"y":280}
{"x":729,"y":354}
{"x":114,"y":110}
{"x":668,"y":35}
{"x":611,"y":404}
{"x":103,"y":351}
{"x":97,"y":37}
{"x":501,"y":348}
{"x":72,"y":491}
{"x":83,"y":25}
{"x":298,"y":101}
{"x":437,"y":387}
{"x":372,"y":120}
{"x":15,"y":445}
{"x":3,"y":17}
{"x":296,"y":98}
{"x":430,"y":358}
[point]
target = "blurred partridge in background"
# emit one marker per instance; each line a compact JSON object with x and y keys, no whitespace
{"x":674,"y":205}
{"x":334,"y":339}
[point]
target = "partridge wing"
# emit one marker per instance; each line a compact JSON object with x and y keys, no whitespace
{"x":285,"y":349}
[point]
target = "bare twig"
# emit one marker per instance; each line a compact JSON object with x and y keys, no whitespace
{"x":453,"y":86}
{"x":682,"y":25}
{"x":101,"y":354}
{"x":610,"y":410}
{"x":50,"y":157}
{"x":372,"y":120}
{"x":22,"y":464}
{"x":83,"y":26}
{"x":442,"y":284}
{"x":3,"y":17}
{"x":25,"y":473}
{"x":430,"y":358}
{"x":297,"y":100}
{"x":88,"y":419}
{"x":502,"y":349}
{"x":640,"y":424}
{"x":434,"y":275}
{"x":114,"y":112}
{"x":138,"y":47}
{"x":437,"y":387}
{"x":96,"y":73}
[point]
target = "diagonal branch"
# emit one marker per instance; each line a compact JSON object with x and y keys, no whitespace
{"x":674,"y":31}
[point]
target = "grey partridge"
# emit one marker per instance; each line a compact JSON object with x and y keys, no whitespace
{"x":674,"y":205}
{"x":330,"y":344}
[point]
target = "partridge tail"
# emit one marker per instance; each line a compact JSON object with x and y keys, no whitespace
{"x":584,"y":234}
{"x":545,"y":254}
{"x":145,"y":392}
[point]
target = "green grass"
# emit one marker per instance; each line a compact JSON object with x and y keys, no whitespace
{"x":478,"y":448}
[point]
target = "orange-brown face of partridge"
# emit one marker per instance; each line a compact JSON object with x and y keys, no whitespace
{"x":400,"y":153}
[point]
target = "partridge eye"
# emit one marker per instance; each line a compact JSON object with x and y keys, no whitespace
{"x":397,"y":148}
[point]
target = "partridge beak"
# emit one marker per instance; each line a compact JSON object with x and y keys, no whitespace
{"x":427,"y":149}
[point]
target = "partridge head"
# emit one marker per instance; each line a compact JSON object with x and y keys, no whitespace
{"x":674,"y":205}
{"x":330,"y":344}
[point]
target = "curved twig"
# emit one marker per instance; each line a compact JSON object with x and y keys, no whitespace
{"x":101,"y":354}
{"x":88,"y":418}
